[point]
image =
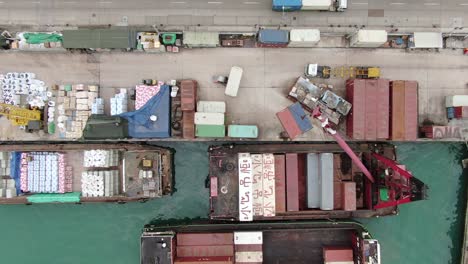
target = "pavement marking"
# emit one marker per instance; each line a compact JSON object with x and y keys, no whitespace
{"x":215,"y":3}
{"x":431,"y":4}
{"x":251,"y":3}
{"x":463,"y":4}
{"x":178,"y":2}
{"x":398,"y":3}
{"x":105,"y":2}
{"x":361,"y":3}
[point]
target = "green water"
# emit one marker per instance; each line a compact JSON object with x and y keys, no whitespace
{"x":424,"y":232}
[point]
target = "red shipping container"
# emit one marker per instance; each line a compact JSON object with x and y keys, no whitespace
{"x":295,"y":182}
{"x":205,"y":251}
{"x":188,"y":124}
{"x":356,"y":95}
{"x":280,"y":183}
{"x":337,"y":196}
{"x":464,"y":111}
{"x":289,"y":123}
{"x":411,"y":110}
{"x":205,"y":239}
{"x":249,"y":247}
{"x":188,"y":95}
{"x":337,"y":254}
{"x":383,"y":109}
{"x":210,"y":260}
{"x":458,"y":111}
{"x":371,"y":102}
{"x":397,"y":103}
{"x":349,"y":196}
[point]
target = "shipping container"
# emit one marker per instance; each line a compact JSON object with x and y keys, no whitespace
{"x":326,"y":180}
{"x":202,"y":118}
{"x":383,"y":109}
{"x":302,"y":119}
{"x":293,"y":188}
{"x":188,"y":124}
{"x":280,"y":183}
{"x":289,"y":123}
{"x":397,"y":104}
{"x":242,"y":131}
{"x":349,"y":196}
{"x":76,"y":173}
{"x":233,"y":83}
{"x":286,"y":5}
{"x":371,"y":102}
{"x":450,"y":112}
{"x":427,"y":40}
{"x":313,"y":181}
{"x":215,"y":131}
{"x":457,"y":111}
{"x":411,"y":110}
{"x":211,"y":106}
{"x":188,"y":94}
{"x":337,"y":195}
{"x":196,"y":39}
{"x":283,"y":242}
{"x":319,"y":5}
{"x":303,"y":38}
{"x":368,"y":38}
{"x":99,"y":39}
{"x":195,"y":239}
{"x":456,"y":100}
{"x":355,"y":94}
{"x":205,"y":250}
{"x":273,"y":36}
{"x":257,"y":183}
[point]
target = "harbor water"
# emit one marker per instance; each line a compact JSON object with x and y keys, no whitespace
{"x":424,"y":232}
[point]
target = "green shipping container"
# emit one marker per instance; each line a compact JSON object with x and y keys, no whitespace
{"x":217,"y":131}
{"x":242,"y":131}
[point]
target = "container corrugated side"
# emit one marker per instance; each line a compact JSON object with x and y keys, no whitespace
{"x":188,"y":95}
{"x":411,"y":110}
{"x":316,"y":4}
{"x":355,"y":122}
{"x":188,"y":125}
{"x":205,"y":251}
{"x":242,"y":131}
{"x":313,"y":181}
{"x":205,"y":239}
{"x":211,"y":106}
{"x":303,"y":37}
{"x":292,"y":182}
{"x":302,"y":119}
{"x":397,"y":104}
{"x":383,"y":109}
{"x":326,"y":181}
{"x":371,"y":110}
{"x":280,"y":183}
{"x":349,"y":196}
{"x":286,"y":5}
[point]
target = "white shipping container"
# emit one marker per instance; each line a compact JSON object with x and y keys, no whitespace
{"x":456,"y":100}
{"x":245,"y":188}
{"x":202,"y":118}
{"x":316,"y":5}
{"x":248,"y":238}
{"x":235,"y":76}
{"x":369,"y":38}
{"x":427,"y":40}
{"x":313,"y":181}
{"x":303,"y":37}
{"x":326,"y":181}
{"x":257,"y":163}
{"x":211,"y":106}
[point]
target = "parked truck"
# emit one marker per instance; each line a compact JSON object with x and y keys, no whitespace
{"x":310,"y":5}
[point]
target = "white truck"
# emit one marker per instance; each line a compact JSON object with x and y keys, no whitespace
{"x":325,"y":5}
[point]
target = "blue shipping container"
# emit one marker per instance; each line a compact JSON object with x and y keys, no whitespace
{"x":450,"y":112}
{"x":140,"y":124}
{"x":287,"y":5}
{"x":273,"y":36}
{"x":313,"y":181}
{"x":302,"y":119}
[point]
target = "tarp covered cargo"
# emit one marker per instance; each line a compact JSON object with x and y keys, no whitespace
{"x":427,"y":40}
{"x":273,"y":36}
{"x":41,"y":37}
{"x":105,"y":127}
{"x":303,"y":37}
{"x":316,"y":4}
{"x":201,"y":39}
{"x":99,"y":39}
{"x":369,"y":38}
{"x":140,"y":123}
{"x":287,"y":5}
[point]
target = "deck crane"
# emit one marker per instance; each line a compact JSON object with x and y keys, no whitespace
{"x":395,"y":185}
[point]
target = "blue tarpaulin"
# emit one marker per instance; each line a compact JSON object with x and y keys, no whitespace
{"x":15,"y":164}
{"x":140,"y":124}
{"x":302,"y":119}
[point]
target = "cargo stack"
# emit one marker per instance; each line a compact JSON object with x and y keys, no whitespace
{"x":188,"y":97}
{"x":248,"y":247}
{"x":205,"y":248}
{"x":404,"y":110}
{"x":294,"y":120}
{"x":320,"y":175}
{"x":369,"y":116}
{"x":457,"y":106}
{"x":209,"y":120}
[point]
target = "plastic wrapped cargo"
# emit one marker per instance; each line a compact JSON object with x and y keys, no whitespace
{"x":303,"y":37}
{"x":317,"y":5}
{"x":368,"y":38}
{"x":193,"y":39}
{"x":286,"y":5}
{"x":427,"y":40}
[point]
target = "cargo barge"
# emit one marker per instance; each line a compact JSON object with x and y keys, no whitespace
{"x":307,"y":181}
{"x":294,"y":242}
{"x":80,"y":173}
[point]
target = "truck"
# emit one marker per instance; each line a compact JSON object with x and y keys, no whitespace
{"x":309,"y":5}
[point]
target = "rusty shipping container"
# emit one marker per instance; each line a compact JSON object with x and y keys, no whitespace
{"x":355,"y":122}
{"x":337,"y":196}
{"x":338,"y":254}
{"x":205,"y":251}
{"x":371,"y":115}
{"x":397,"y":103}
{"x":289,"y":123}
{"x":205,"y":260}
{"x":411,"y":110}
{"x":349,"y":196}
{"x":383,"y":109}
{"x":188,"y":94}
{"x":188,"y":124}
{"x":280,"y":183}
{"x":194,"y":239}
{"x":295,"y":181}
